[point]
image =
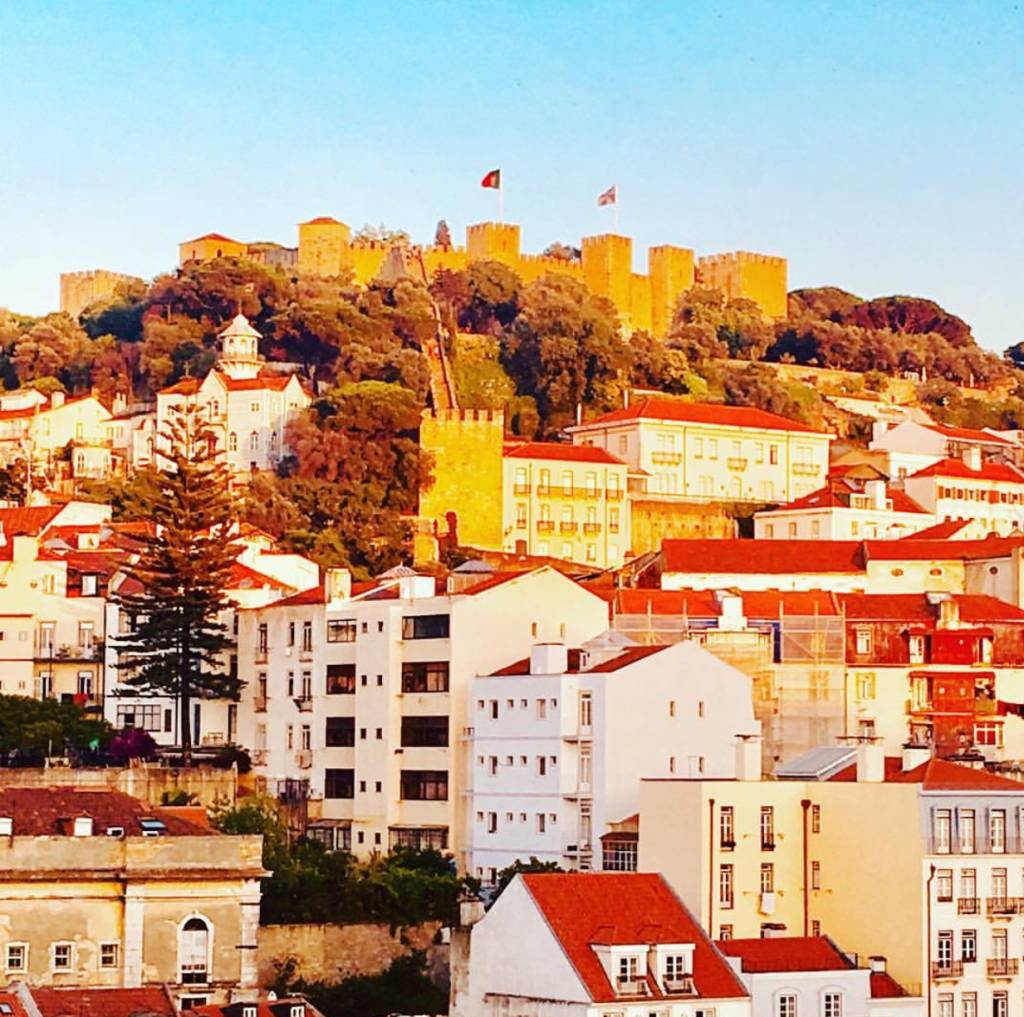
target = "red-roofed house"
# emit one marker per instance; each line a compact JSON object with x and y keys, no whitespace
{"x":910,"y":446}
{"x":846,"y":508}
{"x":703,"y":452}
{"x":101,"y":892}
{"x":247,"y":408}
{"x":560,"y":741}
{"x":811,"y":975}
{"x":567,"y":502}
{"x":210,"y":246}
{"x":591,"y":945}
{"x":915,"y":859}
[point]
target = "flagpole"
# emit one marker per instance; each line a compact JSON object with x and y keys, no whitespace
{"x":615,"y":210}
{"x":501,"y":200}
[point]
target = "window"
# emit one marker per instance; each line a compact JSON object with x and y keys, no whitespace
{"x":542,"y":766}
{"x":254,"y":441}
{"x":917,"y":649}
{"x":815,"y":875}
{"x":945,"y":1004}
{"x":110,"y":955}
{"x":969,"y":1004}
{"x":725,"y":932}
{"x":62,"y":957}
{"x":339,"y":783}
{"x":785,"y":1002}
{"x":340,"y":732}
{"x":541,"y":822}
{"x":833,"y":1004}
{"x":969,"y":946}
{"x":425,"y":626}
{"x":767,"y":877}
{"x":428,"y":676}
{"x":147,"y":716}
{"x":815,"y":819}
{"x":291,"y":633}
{"x":941,"y":831}
{"x":307,"y":637}
{"x":1000,"y":1004}
{"x":425,"y":731}
{"x":341,"y":630}
{"x":193,"y":951}
{"x":966,"y":824}
{"x":792,"y":531}
{"x":424,"y":785}
{"x":944,"y":884}
{"x":773,"y":455}
{"x":726,"y":828}
{"x":863,"y":642}
{"x":865,"y":684}
{"x":17,"y":957}
{"x":261,"y":638}
{"x":586,"y":710}
{"x":675,"y":967}
{"x":997,"y":832}
{"x":725,"y":886}
{"x":767,"y":828}
{"x":341,"y":679}
{"x":89,"y":585}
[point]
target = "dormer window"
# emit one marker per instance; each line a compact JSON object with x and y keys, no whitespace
{"x":152,"y":827}
{"x":248,"y":1011}
{"x":298,"y":1010}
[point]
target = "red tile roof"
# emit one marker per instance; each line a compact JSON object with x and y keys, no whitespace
{"x":940,"y":531}
{"x":582,"y":909}
{"x":148,"y":1002}
{"x":837,"y":495}
{"x":625,"y":659}
{"x":265,"y":382}
{"x":939,"y":775}
{"x":915,"y":607}
{"x":958,"y":468}
{"x":566,"y":453}
{"x":245,"y":578}
{"x":783,"y":557}
{"x":884,"y":986}
{"x":966,"y":434}
{"x":916,"y":549}
{"x":786,"y":953}
{"x":757,"y":604}
{"x":30,"y":522}
{"x":264,"y":1008}
{"x":655,"y":408}
{"x":13,"y":999}
{"x":320,"y":220}
{"x":43,"y":812}
{"x":211,"y":236}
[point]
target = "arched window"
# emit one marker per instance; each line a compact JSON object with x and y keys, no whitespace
{"x":194,"y":951}
{"x":254,"y":441}
{"x":232,"y":442}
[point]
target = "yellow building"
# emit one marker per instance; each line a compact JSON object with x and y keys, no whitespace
{"x":100,"y":889}
{"x":566,"y":501}
{"x":914,"y":858}
{"x":707,"y":453}
{"x":643,"y":300}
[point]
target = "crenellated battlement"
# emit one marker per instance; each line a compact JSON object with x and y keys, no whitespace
{"x":741,"y":257}
{"x":80,"y":289}
{"x":465,"y":416}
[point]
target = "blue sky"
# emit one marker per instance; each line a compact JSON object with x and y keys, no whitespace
{"x":877,"y":146}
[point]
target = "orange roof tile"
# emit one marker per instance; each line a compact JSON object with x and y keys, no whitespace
{"x":966,"y":434}
{"x":144,"y":1002}
{"x":212,"y":236}
{"x":561,"y":452}
{"x":884,"y":986}
{"x":587,"y":908}
{"x":786,"y":953}
{"x":939,"y":775}
{"x":1001,"y":472}
{"x":747,"y":557}
{"x":915,"y":607}
{"x":655,"y":408}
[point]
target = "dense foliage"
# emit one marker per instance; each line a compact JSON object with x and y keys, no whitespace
{"x":32,"y":729}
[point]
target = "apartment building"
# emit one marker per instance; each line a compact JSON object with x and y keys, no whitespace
{"x":362,"y":693}
{"x":566,"y":501}
{"x":914,"y":858}
{"x":591,"y":945}
{"x":910,"y":446}
{"x":246,"y":407}
{"x":101,"y":890}
{"x":703,"y":452}
{"x":562,"y":738}
{"x":846,"y":508}
{"x":989,"y":496}
{"x":788,"y":975}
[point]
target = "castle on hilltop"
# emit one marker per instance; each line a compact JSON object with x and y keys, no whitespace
{"x":80,"y":289}
{"x":644,"y":301}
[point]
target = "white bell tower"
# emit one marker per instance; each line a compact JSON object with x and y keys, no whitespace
{"x":239,"y":355}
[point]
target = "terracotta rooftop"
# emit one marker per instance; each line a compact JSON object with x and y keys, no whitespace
{"x":146,"y":1002}
{"x":655,"y":408}
{"x":265,"y":1008}
{"x":48,"y":812}
{"x":211,"y":236}
{"x":786,"y":953}
{"x":916,"y":607}
{"x":584,"y":909}
{"x":940,"y":531}
{"x":884,"y":986}
{"x":783,"y":557}
{"x":967,"y":434}
{"x":939,"y":775}
{"x":561,"y":452}
{"x":838,"y":493}
{"x":959,"y":469}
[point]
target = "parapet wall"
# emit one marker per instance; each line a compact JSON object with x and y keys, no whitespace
{"x":80,"y":289}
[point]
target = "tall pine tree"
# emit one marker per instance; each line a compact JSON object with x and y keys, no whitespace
{"x":174,"y":589}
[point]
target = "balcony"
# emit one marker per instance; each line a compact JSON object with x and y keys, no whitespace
{"x":568,"y":527}
{"x":679,"y":985}
{"x":261,"y":656}
{"x":942,"y":970}
{"x":767,"y":843}
{"x":806,"y":469}
{"x":306,"y":653}
{"x":1001,"y":967}
{"x":631,"y":986}
{"x":520,"y":488}
{"x":614,"y":494}
{"x":591,"y":527}
{"x":1004,"y":907}
{"x":545,"y":526}
{"x":968,"y":906}
{"x":666,"y":458}
{"x":304,"y":704}
{"x":737,"y":462}
{"x":259,"y":704}
{"x":304,"y":759}
{"x":258,"y":757}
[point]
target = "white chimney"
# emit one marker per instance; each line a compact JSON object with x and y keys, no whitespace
{"x":337,"y":584}
{"x":870,"y":761}
{"x":730,"y":616}
{"x":416,"y":587}
{"x":949,"y":614}
{"x":972,"y":457}
{"x":877,"y":964}
{"x":914,"y":755}
{"x":83,"y":826}
{"x":748,"y":757}
{"x":875,"y":490}
{"x":549,"y":658}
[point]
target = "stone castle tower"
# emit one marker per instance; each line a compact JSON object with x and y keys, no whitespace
{"x":80,"y":289}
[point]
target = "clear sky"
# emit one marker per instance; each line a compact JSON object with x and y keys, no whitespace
{"x":877,"y":146}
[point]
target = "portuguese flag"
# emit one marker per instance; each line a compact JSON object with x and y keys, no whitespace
{"x":492,"y":180}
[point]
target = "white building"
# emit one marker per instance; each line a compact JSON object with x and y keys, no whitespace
{"x":704,"y":452}
{"x":810,"y":975}
{"x":250,"y":410}
{"x":362,"y":693}
{"x":591,"y":945}
{"x":911,"y":446}
{"x":562,"y":739}
{"x":845,"y":509}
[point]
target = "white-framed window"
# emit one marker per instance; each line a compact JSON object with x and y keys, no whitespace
{"x":110,"y":955}
{"x":966,"y":824}
{"x":785,"y":1004}
{"x":863,"y":641}
{"x":194,"y":951}
{"x":865,"y":684}
{"x":232,"y":442}
{"x":941,"y":827}
{"x":832,"y":1004}
{"x":725,"y":886}
{"x":16,"y":957}
{"x":917,"y":649}
{"x":969,"y":1004}
{"x":62,"y":957}
{"x":89,"y":585}
{"x":945,"y":1004}
{"x":675,"y":966}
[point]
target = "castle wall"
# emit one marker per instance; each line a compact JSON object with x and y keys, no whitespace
{"x":80,"y":289}
{"x":323,"y":247}
{"x":466,"y":446}
{"x":671,"y":271}
{"x":757,"y":277}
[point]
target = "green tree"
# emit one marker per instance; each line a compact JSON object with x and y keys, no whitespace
{"x":507,"y":874}
{"x":174,"y":590}
{"x":33,"y":729}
